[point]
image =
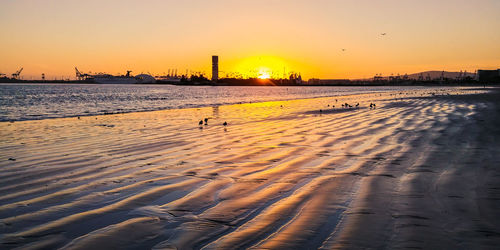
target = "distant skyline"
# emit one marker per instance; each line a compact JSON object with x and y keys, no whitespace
{"x":320,"y":39}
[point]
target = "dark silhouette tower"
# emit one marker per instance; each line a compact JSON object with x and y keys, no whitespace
{"x":215,"y":68}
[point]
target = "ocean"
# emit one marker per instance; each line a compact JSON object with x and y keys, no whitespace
{"x":20,"y":102}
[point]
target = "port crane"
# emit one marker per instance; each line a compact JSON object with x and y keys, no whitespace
{"x":17,"y":74}
{"x":80,"y":75}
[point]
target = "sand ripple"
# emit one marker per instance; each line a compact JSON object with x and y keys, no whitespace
{"x":284,"y":175}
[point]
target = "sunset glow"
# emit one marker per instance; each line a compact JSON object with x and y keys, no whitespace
{"x":263,"y":67}
{"x":327,"y":39}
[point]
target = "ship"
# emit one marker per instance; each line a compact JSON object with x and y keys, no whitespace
{"x":103,"y":78}
{"x":111,"y":79}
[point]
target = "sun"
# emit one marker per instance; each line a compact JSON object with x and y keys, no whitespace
{"x":262,"y":67}
{"x":264,"y":73}
{"x":264,"y":76}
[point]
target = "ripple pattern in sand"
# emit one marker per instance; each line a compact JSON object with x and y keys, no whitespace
{"x":281,"y":175}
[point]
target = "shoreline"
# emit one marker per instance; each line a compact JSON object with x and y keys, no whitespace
{"x":258,"y":83}
{"x":201,"y":106}
{"x":283,"y":174}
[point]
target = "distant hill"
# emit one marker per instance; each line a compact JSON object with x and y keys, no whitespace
{"x":437,"y":74}
{"x":433,"y":74}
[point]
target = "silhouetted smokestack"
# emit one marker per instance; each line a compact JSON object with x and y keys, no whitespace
{"x":215,"y":68}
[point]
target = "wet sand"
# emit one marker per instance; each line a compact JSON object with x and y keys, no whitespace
{"x":421,"y":170}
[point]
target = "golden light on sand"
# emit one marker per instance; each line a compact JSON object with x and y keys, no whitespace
{"x":303,"y":161}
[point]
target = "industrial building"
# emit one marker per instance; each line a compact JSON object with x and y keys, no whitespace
{"x":488,"y":75}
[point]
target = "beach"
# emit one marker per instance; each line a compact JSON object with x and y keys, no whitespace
{"x":419,"y":170}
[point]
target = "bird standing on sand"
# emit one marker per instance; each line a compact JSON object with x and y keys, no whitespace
{"x":206,"y":121}
{"x":357,"y":105}
{"x":200,"y":123}
{"x":225,"y":124}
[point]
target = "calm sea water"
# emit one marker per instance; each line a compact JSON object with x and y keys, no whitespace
{"x":42,"y":101}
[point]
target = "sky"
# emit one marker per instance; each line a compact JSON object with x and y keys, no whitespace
{"x":330,"y":39}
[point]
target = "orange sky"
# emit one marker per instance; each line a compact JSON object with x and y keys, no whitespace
{"x":251,"y":37}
